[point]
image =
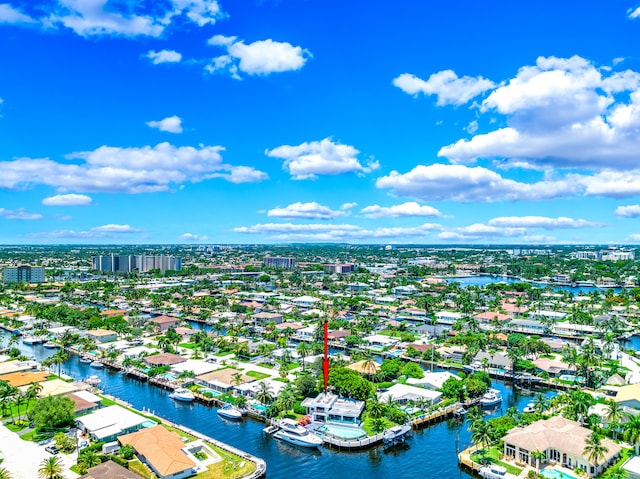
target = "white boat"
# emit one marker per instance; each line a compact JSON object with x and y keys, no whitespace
{"x":493,"y":471}
{"x":50,"y":345}
{"x":93,"y":380}
{"x":31,"y":340}
{"x":229,"y":412}
{"x":182,"y":394}
{"x":491,"y":398}
{"x":396,"y":435}
{"x":293,"y":433}
{"x":85,"y":359}
{"x":530,"y":407}
{"x":96,"y":364}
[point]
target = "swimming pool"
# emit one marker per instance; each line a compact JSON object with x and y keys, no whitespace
{"x":343,"y":432}
{"x":213,"y":392}
{"x":571,"y":377}
{"x":552,"y":473}
{"x":259,"y":407}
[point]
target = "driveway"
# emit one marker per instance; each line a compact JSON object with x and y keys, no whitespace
{"x":23,"y":458}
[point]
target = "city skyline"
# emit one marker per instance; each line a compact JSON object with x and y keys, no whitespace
{"x":284,"y":121}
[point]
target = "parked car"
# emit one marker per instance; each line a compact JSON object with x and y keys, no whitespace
{"x":51,"y":449}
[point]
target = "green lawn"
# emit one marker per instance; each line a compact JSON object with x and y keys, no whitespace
{"x":256,"y":375}
{"x":231,"y":466}
{"x":140,"y":469}
{"x":367,"y":425}
{"x":492,"y":456}
{"x":266,"y":365}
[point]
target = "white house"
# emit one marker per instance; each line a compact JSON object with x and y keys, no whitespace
{"x":403,"y":393}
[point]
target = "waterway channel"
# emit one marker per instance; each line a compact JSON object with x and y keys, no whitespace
{"x":430,"y":453}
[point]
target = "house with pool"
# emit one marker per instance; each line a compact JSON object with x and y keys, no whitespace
{"x":329,"y":407}
{"x":562,"y":441}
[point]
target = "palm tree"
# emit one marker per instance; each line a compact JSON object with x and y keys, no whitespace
{"x":375,"y":407}
{"x":615,"y":414}
{"x":303,"y":351}
{"x":58,"y":359}
{"x":614,"y":472}
{"x":481,"y":433}
{"x":264,"y":394}
{"x":594,"y":449}
{"x":51,"y":468}
{"x":632,"y":430}
{"x":32,"y":392}
{"x":87,"y":459}
{"x":237,"y":379}
{"x":540,"y":403}
{"x":4,"y":474}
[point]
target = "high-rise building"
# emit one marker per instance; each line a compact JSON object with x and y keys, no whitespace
{"x":143,"y":263}
{"x":27,"y":274}
{"x":284,"y":262}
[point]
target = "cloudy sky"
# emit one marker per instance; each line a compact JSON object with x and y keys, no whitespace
{"x":269,"y":121}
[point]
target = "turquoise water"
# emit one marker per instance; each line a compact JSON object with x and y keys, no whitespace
{"x":555,"y":474}
{"x":207,"y":390}
{"x":343,"y":431}
{"x":168,"y":376}
{"x":571,"y":377}
{"x":259,"y":407}
{"x":149,"y":424}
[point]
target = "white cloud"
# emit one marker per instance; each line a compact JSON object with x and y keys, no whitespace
{"x":635,"y":13}
{"x":126,"y":170}
{"x":310,"y":159}
{"x":10,"y":14}
{"x":192,"y":237}
{"x":612,"y":184}
{"x":201,"y":12}
{"x":472,"y":127}
{"x":261,"y":57}
{"x":634,"y":237}
{"x":334,"y":232}
{"x":348,"y":206}
{"x":560,"y":112}
{"x":68,"y":200}
{"x":542,"y":222}
{"x":171,"y":124}
{"x":164,"y":56}
{"x":410,"y":208}
{"x":439,"y":182}
{"x":115,"y":228}
{"x":311,"y":210}
{"x":449,"y":88}
{"x":19,"y":214}
{"x":629,"y":211}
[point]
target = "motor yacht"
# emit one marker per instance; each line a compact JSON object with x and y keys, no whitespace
{"x":182,"y":394}
{"x":229,"y":412}
{"x":491,"y":398}
{"x":290,"y":431}
{"x":96,"y":364}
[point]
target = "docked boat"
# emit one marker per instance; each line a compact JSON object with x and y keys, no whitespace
{"x":93,"y":380}
{"x":395,"y":435}
{"x":96,"y":364}
{"x":491,"y":398}
{"x":50,"y":345}
{"x":530,"y":407}
{"x":31,"y":340}
{"x":85,"y":359}
{"x":182,"y":394}
{"x":229,"y":412}
{"x":293,"y":433}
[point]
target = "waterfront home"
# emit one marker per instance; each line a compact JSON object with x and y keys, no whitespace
{"x":381,"y":340}
{"x":403,"y":393}
{"x":305,"y":302}
{"x":452,"y":353}
{"x":556,"y":344}
{"x":109,"y":470}
{"x":24,"y":378}
{"x":365,"y":367}
{"x":487,"y":317}
{"x":110,"y":422}
{"x":496,"y":361}
{"x":432,"y":380}
{"x":162,"y":451}
{"x":561,"y":440}
{"x":554,"y":367}
{"x":572,"y":329}
{"x":101,"y":335}
{"x":251,"y":389}
{"x":197,"y":366}
{"x":163,"y":323}
{"x":82,"y":405}
{"x":163,"y":359}
{"x":14,"y":366}
{"x":263,"y":318}
{"x":305,"y":334}
{"x":526,"y":326}
{"x":329,"y":407}
{"x":222,"y":380}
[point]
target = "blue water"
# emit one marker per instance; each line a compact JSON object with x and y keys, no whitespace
{"x":551,"y":473}
{"x":484,"y":280}
{"x":343,"y":431}
{"x":431,"y":452}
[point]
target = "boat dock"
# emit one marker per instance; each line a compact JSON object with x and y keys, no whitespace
{"x":436,"y":416}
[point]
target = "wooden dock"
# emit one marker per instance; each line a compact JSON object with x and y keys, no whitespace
{"x":436,"y":416}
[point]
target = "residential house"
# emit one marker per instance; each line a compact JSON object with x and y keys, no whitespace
{"x":403,"y":393}
{"x":328,"y":407}
{"x":163,"y":359}
{"x":162,"y":450}
{"x":526,"y":326}
{"x":222,"y":380}
{"x":561,"y":440}
{"x":109,"y":470}
{"x":432,"y":380}
{"x":101,"y":335}
{"x":447,"y":317}
{"x":263,"y":318}
{"x":629,"y":396}
{"x":163,"y":323}
{"x":108,"y":423}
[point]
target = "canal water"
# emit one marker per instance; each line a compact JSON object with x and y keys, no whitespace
{"x":430,"y":452}
{"x":484,"y":280}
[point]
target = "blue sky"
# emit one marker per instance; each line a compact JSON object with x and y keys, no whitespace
{"x":202,"y":121}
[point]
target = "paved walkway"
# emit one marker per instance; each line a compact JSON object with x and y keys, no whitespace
{"x":23,"y":458}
